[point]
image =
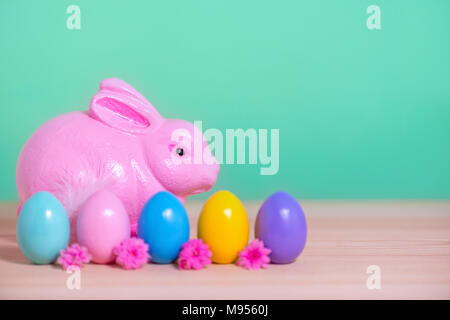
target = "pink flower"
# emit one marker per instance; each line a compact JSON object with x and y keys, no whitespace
{"x":194,"y":254}
{"x":254,"y":256}
{"x":74,"y":255}
{"x":132,"y":253}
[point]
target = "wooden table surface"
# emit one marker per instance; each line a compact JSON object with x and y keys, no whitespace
{"x":409,"y":241}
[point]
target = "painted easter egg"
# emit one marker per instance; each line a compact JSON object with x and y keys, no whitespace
{"x":43,"y":228}
{"x":164,"y":226}
{"x":281,"y":225}
{"x":102,"y":224}
{"x":223,"y":225}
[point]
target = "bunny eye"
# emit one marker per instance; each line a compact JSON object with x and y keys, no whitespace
{"x":180,"y":151}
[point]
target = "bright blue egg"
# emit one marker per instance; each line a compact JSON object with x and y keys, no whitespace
{"x":43,"y":228}
{"x":164,"y":226}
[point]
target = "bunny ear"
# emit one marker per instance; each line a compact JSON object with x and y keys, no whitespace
{"x":120,"y":106}
{"x":117,"y":85}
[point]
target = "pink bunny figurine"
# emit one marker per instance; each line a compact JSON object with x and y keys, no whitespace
{"x":122,"y":144}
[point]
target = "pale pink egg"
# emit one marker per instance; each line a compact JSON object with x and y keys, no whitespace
{"x":102,"y":224}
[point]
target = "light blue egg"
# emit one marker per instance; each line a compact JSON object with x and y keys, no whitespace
{"x":164,"y":226}
{"x":43,"y":228}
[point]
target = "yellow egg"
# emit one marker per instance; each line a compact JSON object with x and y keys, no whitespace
{"x":223,"y":225}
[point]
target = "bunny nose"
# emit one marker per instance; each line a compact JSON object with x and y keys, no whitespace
{"x":212,"y":174}
{"x":207,"y":178}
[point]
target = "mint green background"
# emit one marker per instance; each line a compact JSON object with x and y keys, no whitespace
{"x":362,"y":113}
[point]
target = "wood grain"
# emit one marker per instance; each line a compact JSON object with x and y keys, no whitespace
{"x":409,"y":241}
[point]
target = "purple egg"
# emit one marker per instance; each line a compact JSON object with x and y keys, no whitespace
{"x":281,"y":225}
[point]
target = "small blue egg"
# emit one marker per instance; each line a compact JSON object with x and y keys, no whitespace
{"x":164,"y":226}
{"x":43,"y":228}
